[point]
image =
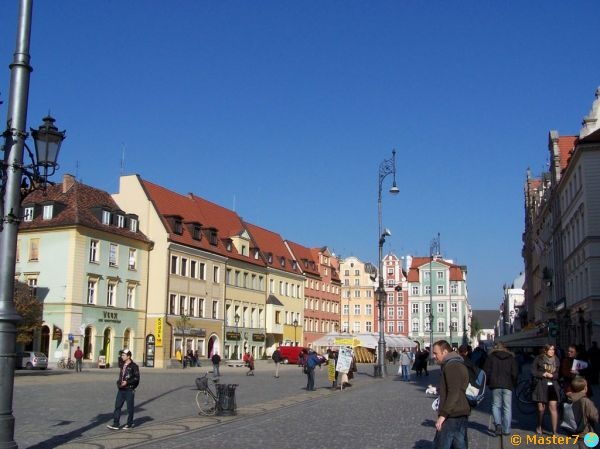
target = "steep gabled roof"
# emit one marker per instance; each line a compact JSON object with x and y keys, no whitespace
{"x":193,"y":209}
{"x":566,"y":144}
{"x":76,"y":207}
{"x":271,"y":243}
{"x":304,"y":257}
{"x":422,"y":263}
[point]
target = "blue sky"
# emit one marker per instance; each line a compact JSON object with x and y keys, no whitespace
{"x":283,"y":110}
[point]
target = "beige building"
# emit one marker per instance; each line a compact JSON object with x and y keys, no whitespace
{"x":358,"y":297}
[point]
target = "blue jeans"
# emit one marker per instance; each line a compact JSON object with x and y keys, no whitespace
{"x":453,"y":434}
{"x":406,"y":372}
{"x":310,"y":383}
{"x":502,"y":408}
{"x":124,"y":395}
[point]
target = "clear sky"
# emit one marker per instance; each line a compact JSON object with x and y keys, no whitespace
{"x":283,"y":111}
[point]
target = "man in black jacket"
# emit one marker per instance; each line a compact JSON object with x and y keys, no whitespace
{"x":129,"y":379}
{"x":502,"y":374}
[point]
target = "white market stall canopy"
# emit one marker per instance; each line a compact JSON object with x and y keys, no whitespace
{"x":366,"y":340}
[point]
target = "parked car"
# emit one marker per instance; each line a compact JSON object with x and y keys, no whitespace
{"x":32,"y":360}
{"x":289,"y":354}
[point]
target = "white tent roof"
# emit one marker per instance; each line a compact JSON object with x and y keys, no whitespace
{"x":366,"y":340}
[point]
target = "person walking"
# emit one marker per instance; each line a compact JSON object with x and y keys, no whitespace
{"x":545,"y":368}
{"x":405,"y":366}
{"x":216,"y":360}
{"x":425,"y":360}
{"x":249,"y":359}
{"x":502,"y":375}
{"x":276,"y":356}
{"x":454,"y":409}
{"x":78,"y":359}
{"x":129,"y":379}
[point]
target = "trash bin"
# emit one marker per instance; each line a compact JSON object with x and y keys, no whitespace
{"x":226,"y":399}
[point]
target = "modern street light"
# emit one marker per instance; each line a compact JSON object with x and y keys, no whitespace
{"x":236,"y":318}
{"x":13,"y":179}
{"x":387,"y":167}
{"x":295,"y":324}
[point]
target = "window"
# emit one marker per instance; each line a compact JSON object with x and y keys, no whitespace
{"x":427,"y":308}
{"x":277,"y":317}
{"x":32,"y":283}
{"x":112,"y":254}
{"x":173,"y":304}
{"x":427,"y":289}
{"x":440,"y":289}
{"x":368,"y":293}
{"x":390,"y":312}
{"x":356,"y":309}
{"x":215,"y":310}
{"x":401,"y":327}
{"x":440,"y":275}
{"x":427,"y":327}
{"x":440,"y":326}
{"x":196,"y":234}
{"x":390,"y":327}
{"x":245,"y":280}
{"x":391,"y":282}
{"x":400,"y":312}
{"x":192,"y":306}
{"x":357,"y":282}
{"x":415,"y":326}
{"x":120,"y":221}
{"x":390,"y":298}
{"x":391,"y":271}
{"x":132,"y":258}
{"x":94,"y":256}
{"x":182,"y":305}
{"x":415,"y":289}
{"x":357,"y":293}
{"x":110,"y":295}
{"x":202,"y":271}
{"x":91,"y":291}
{"x":440,"y":307}
{"x":130,"y":297}
{"x":357,"y":326}
{"x":454,"y":288}
{"x":346,"y":272}
{"x":183,"y":267}
{"x":193,"y":269}
{"x":34,"y":250}
{"x":174,"y":264}
{"x":368,"y":326}
{"x":415,"y":308}
{"x":177,"y":226}
{"x":346,"y":309}
{"x":133,"y":225}
{"x":105,"y":217}
{"x":454,"y":307}
{"x":28,"y":214}
{"x":213,"y":237}
{"x":216,"y":274}
{"x":200,"y":307}
{"x":47,"y":212}
{"x":368,"y":309}
{"x":427,"y":275}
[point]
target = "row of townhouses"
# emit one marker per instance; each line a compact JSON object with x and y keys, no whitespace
{"x":558,"y":296}
{"x":156,"y":271}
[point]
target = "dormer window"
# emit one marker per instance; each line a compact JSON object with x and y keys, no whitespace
{"x":244,"y":250}
{"x":177,"y":226}
{"x":270,"y":258}
{"x":133,"y":225}
{"x":228,"y":246}
{"x":294,"y":264}
{"x":105,"y":217}
{"x":120,"y":221}
{"x":282,"y":261}
{"x":196,"y":234}
{"x":47,"y":212}
{"x":256,"y":253}
{"x":213,"y":237}
{"x":28,"y":214}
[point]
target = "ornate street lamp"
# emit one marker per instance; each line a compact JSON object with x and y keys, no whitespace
{"x":12,"y":174}
{"x":434,"y":250}
{"x":295,"y":324}
{"x":387,"y":167}
{"x":236,"y":318}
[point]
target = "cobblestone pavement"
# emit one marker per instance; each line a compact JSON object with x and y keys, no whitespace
{"x":69,"y":410}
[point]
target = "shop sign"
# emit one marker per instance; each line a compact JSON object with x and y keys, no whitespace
{"x":56,"y":333}
{"x":258,"y":337}
{"x":232,"y":336}
{"x":159,"y":332}
{"x":110,"y":317}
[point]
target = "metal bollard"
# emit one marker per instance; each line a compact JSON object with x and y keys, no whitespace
{"x":226,"y":399}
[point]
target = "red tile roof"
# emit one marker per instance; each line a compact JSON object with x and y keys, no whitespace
{"x":270,"y":242}
{"x":302,"y":254}
{"x":75,"y":207}
{"x":565,"y":147}
{"x":418,"y":263}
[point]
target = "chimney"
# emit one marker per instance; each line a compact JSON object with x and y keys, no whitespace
{"x":68,"y":182}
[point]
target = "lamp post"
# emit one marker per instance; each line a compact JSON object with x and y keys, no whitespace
{"x":295,"y":324}
{"x":387,"y":167}
{"x":434,"y":249}
{"x":236,"y":318}
{"x":12,"y":178}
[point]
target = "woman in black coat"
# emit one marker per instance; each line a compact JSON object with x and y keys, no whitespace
{"x":545,"y":368}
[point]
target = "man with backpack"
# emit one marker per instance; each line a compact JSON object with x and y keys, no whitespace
{"x":502,"y":372}
{"x":312,"y":360}
{"x":276,"y":356}
{"x":454,"y":409}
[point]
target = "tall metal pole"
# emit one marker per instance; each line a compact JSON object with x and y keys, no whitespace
{"x":388,"y":166}
{"x":433,"y":249}
{"x":11,"y":202}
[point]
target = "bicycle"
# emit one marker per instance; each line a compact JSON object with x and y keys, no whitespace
{"x":206,"y":400}
{"x":62,"y":364}
{"x":524,"y":390}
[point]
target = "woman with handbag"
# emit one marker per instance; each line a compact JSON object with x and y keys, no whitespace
{"x":545,"y":368}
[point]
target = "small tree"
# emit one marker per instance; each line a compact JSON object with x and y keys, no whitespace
{"x":475,"y":329}
{"x":30,"y":309}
